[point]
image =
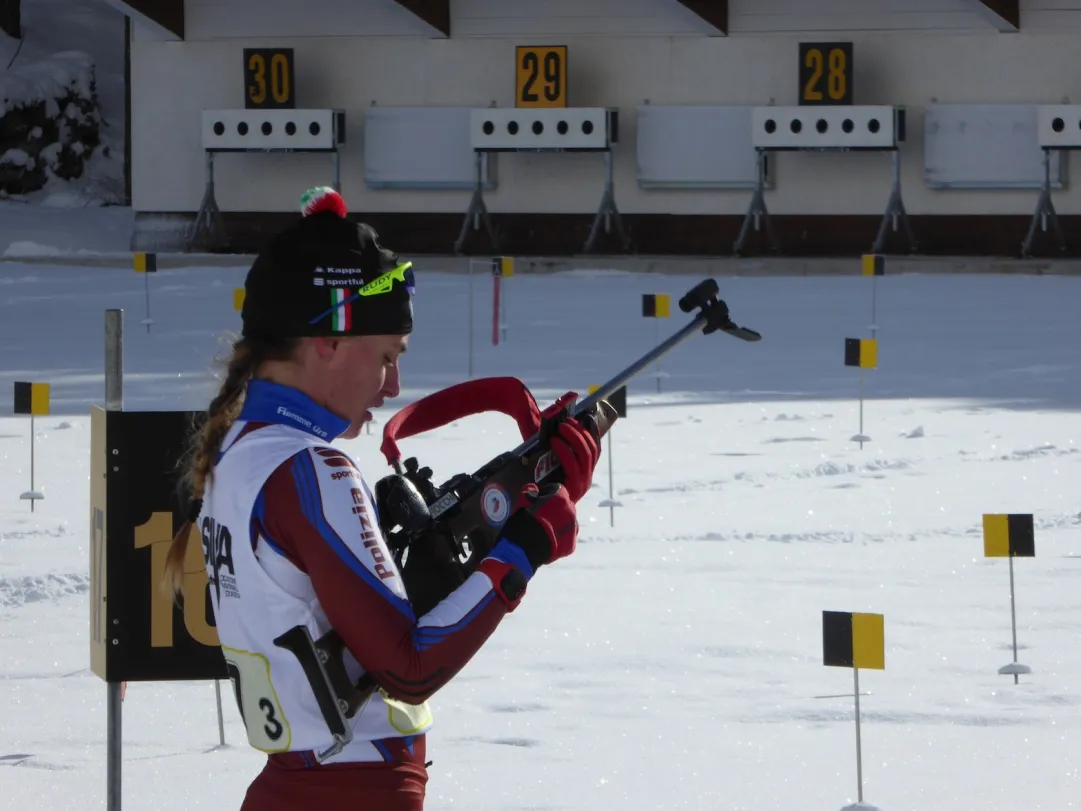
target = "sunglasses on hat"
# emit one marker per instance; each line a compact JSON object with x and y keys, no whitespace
{"x":378,"y":286}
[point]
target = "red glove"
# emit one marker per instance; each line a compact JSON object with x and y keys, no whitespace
{"x":575,"y":442}
{"x":544,"y":524}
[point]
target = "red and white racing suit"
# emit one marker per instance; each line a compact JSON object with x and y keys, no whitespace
{"x":291,"y":537}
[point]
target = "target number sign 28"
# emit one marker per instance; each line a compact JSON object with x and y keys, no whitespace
{"x":268,"y":79}
{"x":540,"y":76}
{"x":825,"y":73}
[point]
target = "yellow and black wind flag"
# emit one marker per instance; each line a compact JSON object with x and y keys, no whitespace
{"x":655,"y":305}
{"x":861,"y":352}
{"x":874,"y":264}
{"x":617,"y":399}
{"x":853,"y":640}
{"x":146,"y":262}
{"x":32,"y":398}
{"x":1009,"y":535}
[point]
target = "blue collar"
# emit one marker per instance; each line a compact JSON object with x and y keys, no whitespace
{"x":272,"y":402}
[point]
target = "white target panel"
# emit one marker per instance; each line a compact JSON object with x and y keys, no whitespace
{"x":273,"y":130}
{"x":562,"y":129}
{"x":828,"y":127}
{"x":1059,"y":126}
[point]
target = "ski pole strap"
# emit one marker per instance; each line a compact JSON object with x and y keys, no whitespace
{"x":507,"y":395}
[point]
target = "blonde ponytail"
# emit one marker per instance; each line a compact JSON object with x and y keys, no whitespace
{"x":198,"y":462}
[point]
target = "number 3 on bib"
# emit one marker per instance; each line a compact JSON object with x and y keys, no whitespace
{"x":268,"y":729}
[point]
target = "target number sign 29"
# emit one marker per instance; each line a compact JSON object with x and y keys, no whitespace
{"x":268,"y":79}
{"x":540,"y":76}
{"x":825,"y":73}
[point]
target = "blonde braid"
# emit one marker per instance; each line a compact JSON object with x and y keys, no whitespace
{"x":198,"y":463}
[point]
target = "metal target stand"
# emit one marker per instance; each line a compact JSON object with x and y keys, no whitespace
{"x":848,"y":128}
{"x":570,"y":129}
{"x":266,"y":131}
{"x":1058,"y":129}
{"x":477,"y":213}
{"x":1045,"y":212}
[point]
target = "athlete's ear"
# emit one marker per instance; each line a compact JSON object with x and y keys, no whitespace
{"x":326,"y":347}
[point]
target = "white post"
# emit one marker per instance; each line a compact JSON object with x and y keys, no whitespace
{"x":610,"y":502}
{"x":32,"y":492}
{"x":221,"y":717}
{"x":497,"y":318}
{"x":611,"y":487}
{"x":859,"y":752}
{"x":1014,"y":668}
{"x":861,"y":407}
{"x":148,"y":320}
{"x":861,"y":437}
{"x":1013,"y":618}
{"x":504,"y":321}
{"x":114,"y":401}
{"x":658,"y":325}
{"x":470,"y":316}
{"x":874,"y":305}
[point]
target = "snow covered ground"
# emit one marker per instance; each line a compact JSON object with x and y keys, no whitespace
{"x":675,"y":661}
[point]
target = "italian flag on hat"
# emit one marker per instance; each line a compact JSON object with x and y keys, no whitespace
{"x":342,"y":318}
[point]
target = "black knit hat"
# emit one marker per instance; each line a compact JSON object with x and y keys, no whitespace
{"x":324,"y":275}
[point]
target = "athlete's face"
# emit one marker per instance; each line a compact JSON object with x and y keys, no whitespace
{"x":358,"y":374}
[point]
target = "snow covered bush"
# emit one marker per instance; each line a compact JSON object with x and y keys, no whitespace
{"x":49,"y":121}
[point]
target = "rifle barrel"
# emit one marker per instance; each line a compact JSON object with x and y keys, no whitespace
{"x":622,"y":377}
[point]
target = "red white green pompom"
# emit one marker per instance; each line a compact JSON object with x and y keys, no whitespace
{"x":322,"y":198}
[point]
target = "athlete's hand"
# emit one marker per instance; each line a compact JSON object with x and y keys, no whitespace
{"x":575,"y":442}
{"x":544,"y":524}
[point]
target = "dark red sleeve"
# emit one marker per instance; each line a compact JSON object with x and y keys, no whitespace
{"x":408,"y":657}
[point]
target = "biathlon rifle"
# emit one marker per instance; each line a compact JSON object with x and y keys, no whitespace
{"x":438,"y":535}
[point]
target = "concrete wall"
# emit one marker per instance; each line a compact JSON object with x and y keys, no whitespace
{"x":354,"y":53}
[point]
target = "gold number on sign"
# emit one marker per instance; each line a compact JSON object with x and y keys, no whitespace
{"x":814,"y":62}
{"x":836,"y":84}
{"x":257,"y":65}
{"x":531,"y":63}
{"x":836,"y":78}
{"x":279,"y":78}
{"x":278,"y":86}
{"x":156,"y":533}
{"x":541,"y":76}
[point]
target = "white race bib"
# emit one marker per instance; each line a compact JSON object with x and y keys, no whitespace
{"x":264,"y":719}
